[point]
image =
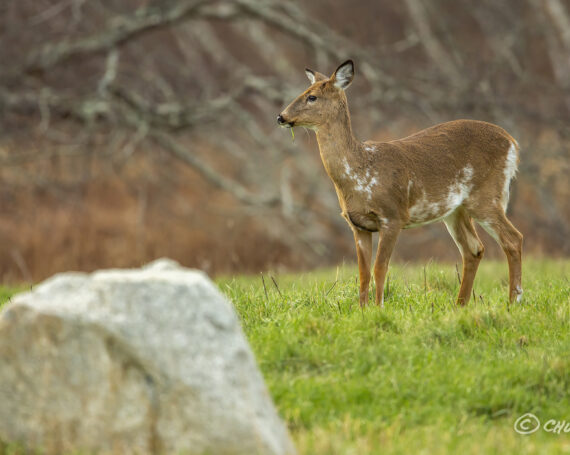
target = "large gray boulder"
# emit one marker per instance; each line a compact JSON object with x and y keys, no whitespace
{"x":144,"y":361}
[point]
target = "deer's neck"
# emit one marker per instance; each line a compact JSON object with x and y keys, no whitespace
{"x":337,"y":145}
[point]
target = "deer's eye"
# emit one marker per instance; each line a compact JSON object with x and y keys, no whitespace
{"x":311,"y":98}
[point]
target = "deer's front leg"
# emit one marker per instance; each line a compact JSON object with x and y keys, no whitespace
{"x":363,"y":241}
{"x":388,"y":235}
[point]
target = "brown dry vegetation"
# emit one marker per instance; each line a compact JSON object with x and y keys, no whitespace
{"x":128,"y":132}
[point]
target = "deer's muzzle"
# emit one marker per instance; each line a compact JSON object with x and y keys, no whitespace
{"x":281,"y":120}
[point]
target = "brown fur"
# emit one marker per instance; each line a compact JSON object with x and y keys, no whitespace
{"x":455,"y":172}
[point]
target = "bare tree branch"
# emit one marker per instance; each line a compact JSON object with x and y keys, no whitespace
{"x":117,"y":32}
{"x":214,"y":177}
{"x":429,"y":40}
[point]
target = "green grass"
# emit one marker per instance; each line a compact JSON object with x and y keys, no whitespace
{"x":419,"y":376}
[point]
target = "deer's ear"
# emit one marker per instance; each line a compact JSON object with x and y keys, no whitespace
{"x":311,"y":75}
{"x":343,"y":75}
{"x":314,"y":76}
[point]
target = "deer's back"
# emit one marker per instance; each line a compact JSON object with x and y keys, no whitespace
{"x":453,"y":144}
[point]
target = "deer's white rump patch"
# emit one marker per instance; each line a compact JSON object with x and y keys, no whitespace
{"x":509,"y":171}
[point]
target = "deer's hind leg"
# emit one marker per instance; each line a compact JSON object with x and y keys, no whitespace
{"x":501,"y":229}
{"x":460,"y":226}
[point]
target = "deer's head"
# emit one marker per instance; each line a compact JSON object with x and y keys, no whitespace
{"x":322,"y":101}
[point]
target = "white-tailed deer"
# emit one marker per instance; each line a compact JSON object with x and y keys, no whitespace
{"x":456,"y":172}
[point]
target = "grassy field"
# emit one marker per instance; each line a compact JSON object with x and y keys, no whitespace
{"x":419,"y":376}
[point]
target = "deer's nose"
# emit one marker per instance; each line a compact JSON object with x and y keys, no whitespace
{"x":280,"y":119}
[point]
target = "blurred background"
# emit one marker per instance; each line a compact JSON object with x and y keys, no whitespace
{"x":133,"y":129}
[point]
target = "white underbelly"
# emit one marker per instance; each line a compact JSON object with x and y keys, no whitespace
{"x":428,"y":218}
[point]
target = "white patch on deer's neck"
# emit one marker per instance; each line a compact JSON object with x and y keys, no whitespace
{"x":425,"y":211}
{"x":347,"y":168}
{"x":369,"y":148}
{"x":363,"y":184}
{"x":509,"y":171}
